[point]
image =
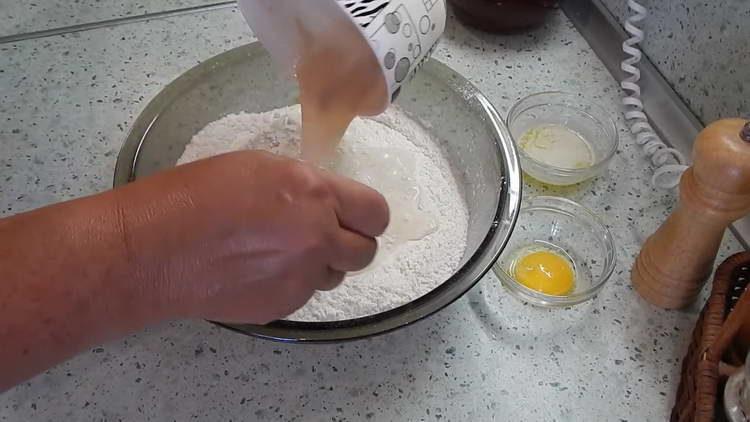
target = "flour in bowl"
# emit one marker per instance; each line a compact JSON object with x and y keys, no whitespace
{"x":394,"y":154}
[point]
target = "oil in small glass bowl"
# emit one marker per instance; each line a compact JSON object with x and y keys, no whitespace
{"x":562,"y":138}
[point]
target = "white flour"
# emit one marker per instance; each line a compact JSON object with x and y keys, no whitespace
{"x":407,"y":269}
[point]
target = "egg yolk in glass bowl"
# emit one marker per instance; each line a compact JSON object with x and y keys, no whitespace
{"x":544,"y":271}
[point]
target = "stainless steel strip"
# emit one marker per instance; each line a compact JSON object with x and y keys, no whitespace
{"x":669,"y":115}
{"x":114,"y":22}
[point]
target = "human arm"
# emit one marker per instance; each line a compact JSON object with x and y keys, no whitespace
{"x":244,"y":237}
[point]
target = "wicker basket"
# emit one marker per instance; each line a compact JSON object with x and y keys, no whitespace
{"x":717,"y":349}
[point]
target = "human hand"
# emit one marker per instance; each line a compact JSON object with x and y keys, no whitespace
{"x":246,"y":236}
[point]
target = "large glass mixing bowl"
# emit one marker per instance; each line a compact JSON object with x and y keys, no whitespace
{"x":474,"y":139}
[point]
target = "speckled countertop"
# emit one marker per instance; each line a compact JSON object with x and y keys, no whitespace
{"x":66,"y":102}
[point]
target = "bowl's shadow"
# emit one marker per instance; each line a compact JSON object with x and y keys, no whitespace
{"x":502,"y":315}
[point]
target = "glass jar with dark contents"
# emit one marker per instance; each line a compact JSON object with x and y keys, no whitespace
{"x":503,"y":16}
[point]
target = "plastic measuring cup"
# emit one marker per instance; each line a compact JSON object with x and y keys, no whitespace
{"x":401,"y":33}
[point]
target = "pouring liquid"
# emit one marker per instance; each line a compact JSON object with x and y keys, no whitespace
{"x":340,"y":79}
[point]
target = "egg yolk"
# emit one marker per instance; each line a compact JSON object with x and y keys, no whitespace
{"x":545,"y":272}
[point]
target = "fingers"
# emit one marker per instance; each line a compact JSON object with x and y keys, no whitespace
{"x":360,"y":208}
{"x":333,"y":280}
{"x":352,"y":251}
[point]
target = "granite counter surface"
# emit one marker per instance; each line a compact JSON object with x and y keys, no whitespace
{"x":67,"y":102}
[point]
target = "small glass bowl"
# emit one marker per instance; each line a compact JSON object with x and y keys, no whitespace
{"x":571,"y":230}
{"x":573,"y":112}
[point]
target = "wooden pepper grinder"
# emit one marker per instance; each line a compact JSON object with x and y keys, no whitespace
{"x":675,"y":262}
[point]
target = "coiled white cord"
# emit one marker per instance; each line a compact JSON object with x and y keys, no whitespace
{"x":668,"y":161}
